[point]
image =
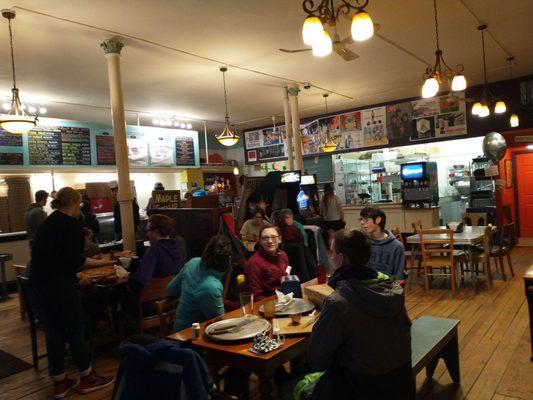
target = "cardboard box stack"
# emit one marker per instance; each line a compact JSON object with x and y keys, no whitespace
{"x":99,"y":196}
{"x":18,"y":199}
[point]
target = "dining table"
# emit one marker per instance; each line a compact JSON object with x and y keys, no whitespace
{"x":467,"y":239}
{"x":236,"y":354}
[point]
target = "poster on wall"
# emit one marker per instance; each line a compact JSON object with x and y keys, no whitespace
{"x":265,"y":153}
{"x":351,"y":131}
{"x":374,"y":127}
{"x":252,"y":155}
{"x":311,"y":138}
{"x":399,"y":118}
{"x":272,"y":136}
{"x":137,"y":151}
{"x":105,"y":149}
{"x":423,"y":128}
{"x":161,"y":151}
{"x":253,"y":139}
{"x":185,"y":151}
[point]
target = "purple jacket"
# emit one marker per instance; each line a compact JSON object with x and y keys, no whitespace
{"x":164,"y":258}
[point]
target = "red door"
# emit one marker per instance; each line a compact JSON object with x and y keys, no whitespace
{"x":524,"y":178}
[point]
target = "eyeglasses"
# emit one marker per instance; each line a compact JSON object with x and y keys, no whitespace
{"x":267,"y":238}
{"x":364,"y":219}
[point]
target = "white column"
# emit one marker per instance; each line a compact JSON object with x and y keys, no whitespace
{"x":288,"y":127}
{"x":295,"y":116}
{"x":112,"y":48}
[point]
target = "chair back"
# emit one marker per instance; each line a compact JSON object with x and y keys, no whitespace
{"x":487,"y":242}
{"x":417,"y":225}
{"x":474,"y":218}
{"x":397,"y":233}
{"x":436,"y":246}
{"x":166,"y":310}
{"x":29,"y":299}
{"x":507,"y":237}
{"x":156,"y":289}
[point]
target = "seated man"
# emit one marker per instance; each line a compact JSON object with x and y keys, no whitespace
{"x":287,"y":216}
{"x":362,"y":339}
{"x":164,"y":257}
{"x":388,"y":254}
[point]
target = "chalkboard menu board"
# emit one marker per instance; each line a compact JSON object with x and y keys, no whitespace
{"x":105,"y":150}
{"x":321,"y":166}
{"x":59,"y":145}
{"x":11,"y":159}
{"x":185,"y":151}
{"x":10,"y":139}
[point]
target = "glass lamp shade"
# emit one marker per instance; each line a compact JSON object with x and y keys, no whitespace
{"x":235,"y":170}
{"x":312,"y":30}
{"x":476,"y":108}
{"x":484,"y":112}
{"x":514,"y":121}
{"x":458,"y":83}
{"x":328,"y":146}
{"x":227,"y":137}
{"x":500,"y":107}
{"x":430,"y":88}
{"x":323,"y":46}
{"x":362,"y":26}
{"x":17,"y":123}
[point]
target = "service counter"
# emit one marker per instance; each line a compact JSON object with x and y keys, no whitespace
{"x":397,"y":216}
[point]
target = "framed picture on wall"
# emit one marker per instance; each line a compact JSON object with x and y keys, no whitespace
{"x":508,"y":173}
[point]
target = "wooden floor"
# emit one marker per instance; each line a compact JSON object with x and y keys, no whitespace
{"x":493,"y":340}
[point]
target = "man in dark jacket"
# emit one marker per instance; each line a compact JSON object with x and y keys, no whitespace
{"x":35,"y":215}
{"x":362,"y":338}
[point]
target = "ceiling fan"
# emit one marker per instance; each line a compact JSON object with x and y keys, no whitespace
{"x":339,"y":47}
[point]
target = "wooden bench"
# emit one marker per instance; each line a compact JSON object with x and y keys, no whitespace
{"x":434,"y":338}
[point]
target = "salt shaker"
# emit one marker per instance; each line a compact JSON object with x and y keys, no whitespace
{"x":195,"y":330}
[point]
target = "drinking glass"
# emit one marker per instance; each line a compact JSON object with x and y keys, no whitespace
{"x":269,"y":309}
{"x":247,"y":304}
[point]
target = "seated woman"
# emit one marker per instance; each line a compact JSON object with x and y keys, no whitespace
{"x":265,"y":268}
{"x":250,"y":229}
{"x":90,"y":249}
{"x":164,"y":257}
{"x":199,"y":286}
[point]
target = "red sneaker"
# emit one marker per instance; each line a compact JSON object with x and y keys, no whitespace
{"x":61,"y":389}
{"x":93,"y":382}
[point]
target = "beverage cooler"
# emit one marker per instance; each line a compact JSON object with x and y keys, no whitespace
{"x":420,"y":184}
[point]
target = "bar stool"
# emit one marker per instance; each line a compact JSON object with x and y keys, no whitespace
{"x":4,"y":257}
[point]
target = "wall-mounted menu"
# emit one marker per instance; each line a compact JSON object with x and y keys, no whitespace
{"x":105,"y":149}
{"x":45,"y":146}
{"x":185,"y":151}
{"x":11,"y":159}
{"x":10,"y":139}
{"x":75,"y":146}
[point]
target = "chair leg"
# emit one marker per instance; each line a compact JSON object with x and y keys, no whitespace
{"x":452,"y":279}
{"x":487,"y":270}
{"x":502,"y":267}
{"x":510,"y":263}
{"x":34,"y":351}
{"x":426,"y":278}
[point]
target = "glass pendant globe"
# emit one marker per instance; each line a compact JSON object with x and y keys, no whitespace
{"x":458,"y":83}
{"x":312,"y":30}
{"x":430,"y":88}
{"x":323,"y":46}
{"x":17,"y":123}
{"x":500,"y":107}
{"x":514,"y":121}
{"x":484,"y":112}
{"x":362,"y":26}
{"x":476,"y":108}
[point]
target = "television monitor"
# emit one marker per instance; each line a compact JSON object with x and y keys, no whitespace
{"x":413,"y":171}
{"x":307,"y":180}
{"x":290,"y":177}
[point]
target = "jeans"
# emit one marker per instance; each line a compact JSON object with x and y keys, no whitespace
{"x":61,"y":310}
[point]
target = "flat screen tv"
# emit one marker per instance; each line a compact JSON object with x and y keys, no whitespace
{"x":413,"y":171}
{"x":307,"y":180}
{"x":290,"y":177}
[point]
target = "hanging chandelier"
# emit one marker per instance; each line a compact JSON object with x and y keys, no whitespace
{"x":329,"y":144}
{"x":482,"y":105}
{"x":325,"y":12}
{"x":16,"y":120}
{"x":434,"y":77}
{"x":226,"y":137}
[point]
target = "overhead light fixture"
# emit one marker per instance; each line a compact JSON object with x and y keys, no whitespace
{"x":482,"y":105}
{"x":16,"y":120}
{"x":226,"y":137}
{"x":327,"y":13}
{"x":42,"y":110}
{"x":235,"y":170}
{"x":329,"y":144}
{"x":434,"y":77}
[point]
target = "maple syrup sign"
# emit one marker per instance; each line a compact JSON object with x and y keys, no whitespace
{"x":166,"y":198}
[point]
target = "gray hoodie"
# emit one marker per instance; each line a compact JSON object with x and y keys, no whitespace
{"x":35,"y":215}
{"x":388,"y":256}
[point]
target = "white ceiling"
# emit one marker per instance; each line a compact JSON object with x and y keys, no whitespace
{"x":59,"y":59}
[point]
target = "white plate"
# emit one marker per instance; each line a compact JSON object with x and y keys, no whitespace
{"x":246,"y":332}
{"x":297,"y":306}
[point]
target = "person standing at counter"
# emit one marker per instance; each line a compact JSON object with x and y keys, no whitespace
{"x":116,"y":214}
{"x":388,"y":254}
{"x":35,"y":215}
{"x":331,"y":210}
{"x":157,"y":187}
{"x":56,"y":256}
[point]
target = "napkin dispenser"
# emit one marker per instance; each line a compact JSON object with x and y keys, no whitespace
{"x":291,"y":283}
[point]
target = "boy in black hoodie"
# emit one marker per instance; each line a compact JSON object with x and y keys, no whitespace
{"x":362,"y":338}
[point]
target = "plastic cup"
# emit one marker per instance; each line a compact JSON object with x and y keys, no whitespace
{"x":247,"y":304}
{"x":269,"y":309}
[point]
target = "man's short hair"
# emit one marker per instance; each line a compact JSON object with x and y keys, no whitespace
{"x":40,"y":195}
{"x":354,"y":245}
{"x":287,"y":211}
{"x":374,"y":212}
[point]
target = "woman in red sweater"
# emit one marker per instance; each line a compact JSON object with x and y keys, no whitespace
{"x":265,"y":268}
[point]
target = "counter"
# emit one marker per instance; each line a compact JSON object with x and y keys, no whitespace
{"x":396,"y":214}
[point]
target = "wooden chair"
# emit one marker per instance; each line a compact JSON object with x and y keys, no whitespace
{"x":474,"y":218}
{"x":436,"y":246}
{"x":504,"y":249}
{"x":155,"y":291}
{"x":484,"y":257}
{"x":414,"y":252}
{"x":166,"y":310}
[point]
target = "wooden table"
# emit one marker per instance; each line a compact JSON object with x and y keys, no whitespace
{"x":236,"y":354}
{"x":528,"y":285}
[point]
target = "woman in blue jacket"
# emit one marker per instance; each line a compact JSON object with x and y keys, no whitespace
{"x":198,"y":285}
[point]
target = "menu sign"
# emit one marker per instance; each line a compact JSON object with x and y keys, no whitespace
{"x":184,"y":151}
{"x":166,"y":198}
{"x":11,"y":159}
{"x":105,"y":149}
{"x":10,"y":139}
{"x":75,"y":146}
{"x":44,"y":146}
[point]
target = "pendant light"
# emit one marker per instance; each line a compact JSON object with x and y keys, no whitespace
{"x":226,"y":137}
{"x":362,"y":26}
{"x":514,"y":121}
{"x":16,"y":120}
{"x":329,"y":145}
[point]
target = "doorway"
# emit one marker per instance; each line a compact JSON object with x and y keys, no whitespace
{"x":524,"y":180}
